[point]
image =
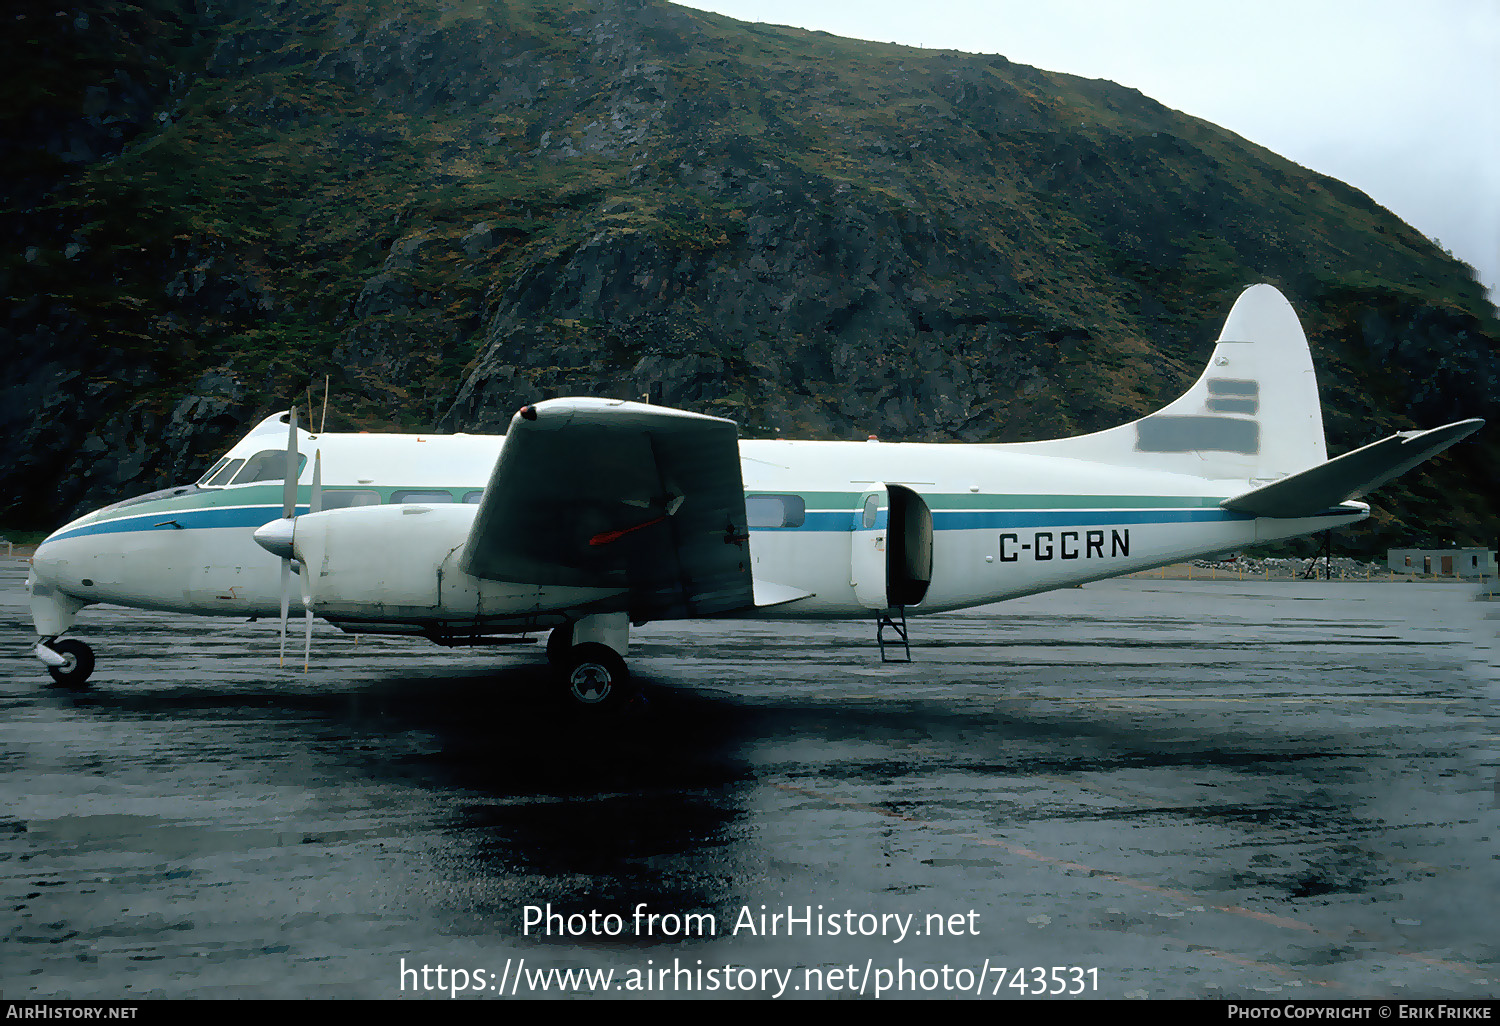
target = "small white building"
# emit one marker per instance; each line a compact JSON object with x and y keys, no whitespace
{"x":1443,"y":562}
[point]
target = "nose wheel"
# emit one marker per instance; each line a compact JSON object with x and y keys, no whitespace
{"x":69,"y":661}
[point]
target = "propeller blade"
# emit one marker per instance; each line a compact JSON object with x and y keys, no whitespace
{"x":315,"y":505}
{"x":288,"y":514}
{"x":286,"y":598}
{"x":307,"y":641}
{"x":289,"y":486}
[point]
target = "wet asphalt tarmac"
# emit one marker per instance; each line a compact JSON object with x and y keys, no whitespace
{"x":1195,"y":789}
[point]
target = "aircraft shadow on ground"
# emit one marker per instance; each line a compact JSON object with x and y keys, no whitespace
{"x":536,"y":787}
{"x":511,"y":728}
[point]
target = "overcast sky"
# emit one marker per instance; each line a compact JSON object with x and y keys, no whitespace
{"x":1399,"y":98}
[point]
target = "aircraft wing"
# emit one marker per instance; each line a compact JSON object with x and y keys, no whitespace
{"x":601,"y":493}
{"x":1350,"y":475}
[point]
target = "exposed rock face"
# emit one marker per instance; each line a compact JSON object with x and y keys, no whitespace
{"x":454,"y":210}
{"x":807,"y":324}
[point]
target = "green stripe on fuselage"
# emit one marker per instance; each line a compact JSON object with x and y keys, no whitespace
{"x":267,"y":494}
{"x":977,"y":500}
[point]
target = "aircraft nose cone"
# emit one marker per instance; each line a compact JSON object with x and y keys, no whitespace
{"x":276,"y":537}
{"x":45,"y":563}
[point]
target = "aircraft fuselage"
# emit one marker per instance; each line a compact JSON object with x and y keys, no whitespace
{"x":851,"y":527}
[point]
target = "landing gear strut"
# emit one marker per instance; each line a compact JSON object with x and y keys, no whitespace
{"x":69,"y":661}
{"x":558,"y":643}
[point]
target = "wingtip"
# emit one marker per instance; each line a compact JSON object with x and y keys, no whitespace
{"x":1458,"y":430}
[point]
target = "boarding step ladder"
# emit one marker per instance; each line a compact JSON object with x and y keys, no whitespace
{"x":898,"y":642}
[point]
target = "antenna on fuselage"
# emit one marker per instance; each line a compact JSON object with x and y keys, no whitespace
{"x":324,"y":423}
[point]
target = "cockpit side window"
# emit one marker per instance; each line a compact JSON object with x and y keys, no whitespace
{"x":223,"y":472}
{"x":267,"y":465}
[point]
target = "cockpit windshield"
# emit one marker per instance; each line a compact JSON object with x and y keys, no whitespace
{"x":220,"y":473}
{"x":266,"y":465}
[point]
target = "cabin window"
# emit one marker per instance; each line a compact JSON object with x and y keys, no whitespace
{"x":345,"y":498}
{"x":267,"y":465}
{"x":775,"y":510}
{"x":224,"y":472}
{"x":872,"y":511}
{"x":472,"y":498}
{"x":421,"y":495}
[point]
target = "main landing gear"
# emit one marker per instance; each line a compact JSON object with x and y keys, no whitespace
{"x":69,"y":661}
{"x":588,"y":659}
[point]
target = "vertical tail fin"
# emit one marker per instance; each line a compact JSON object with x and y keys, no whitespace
{"x":1253,"y":415}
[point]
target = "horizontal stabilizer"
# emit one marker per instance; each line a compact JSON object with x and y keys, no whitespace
{"x":768,"y":593}
{"x":1350,"y":475}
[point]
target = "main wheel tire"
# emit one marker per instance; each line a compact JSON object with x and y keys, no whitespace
{"x":558,"y":643}
{"x":78,"y":662}
{"x":594,"y":676}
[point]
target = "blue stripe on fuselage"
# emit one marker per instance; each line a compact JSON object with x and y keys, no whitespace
{"x":816,"y":520}
{"x":971,"y":520}
{"x":986,"y":519}
{"x":189,"y":519}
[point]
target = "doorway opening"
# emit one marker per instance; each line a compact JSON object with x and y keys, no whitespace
{"x":908,"y":550}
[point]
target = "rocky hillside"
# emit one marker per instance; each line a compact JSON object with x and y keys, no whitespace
{"x":455,"y":207}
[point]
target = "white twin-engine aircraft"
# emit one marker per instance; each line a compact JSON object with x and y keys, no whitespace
{"x":591,"y":515}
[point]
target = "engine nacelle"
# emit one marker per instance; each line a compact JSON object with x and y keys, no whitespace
{"x":400,"y":564}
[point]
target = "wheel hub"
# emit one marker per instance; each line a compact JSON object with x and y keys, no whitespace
{"x":591,"y":682}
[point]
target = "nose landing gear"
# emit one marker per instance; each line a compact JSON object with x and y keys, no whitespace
{"x":69,"y":661}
